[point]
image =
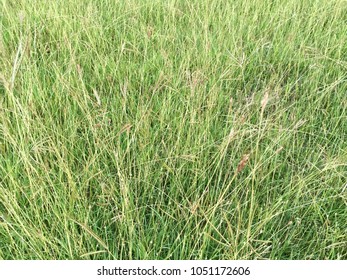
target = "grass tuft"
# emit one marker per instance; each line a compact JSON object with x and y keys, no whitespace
{"x":173,"y":129}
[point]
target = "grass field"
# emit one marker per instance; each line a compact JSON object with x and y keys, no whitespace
{"x":177,"y":129}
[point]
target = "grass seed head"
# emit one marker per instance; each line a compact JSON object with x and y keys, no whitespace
{"x":242,"y":163}
{"x":97,"y":97}
{"x":126,"y":128}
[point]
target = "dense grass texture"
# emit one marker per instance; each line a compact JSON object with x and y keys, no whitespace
{"x":200,"y":129}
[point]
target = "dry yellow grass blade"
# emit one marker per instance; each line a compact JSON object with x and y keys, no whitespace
{"x":93,"y":253}
{"x":93,"y":234}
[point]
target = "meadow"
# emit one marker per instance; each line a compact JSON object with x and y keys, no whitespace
{"x":201,"y":129}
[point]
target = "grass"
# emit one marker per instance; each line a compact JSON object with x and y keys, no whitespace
{"x":173,"y":129}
